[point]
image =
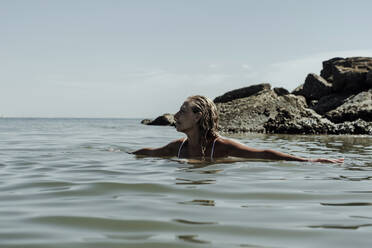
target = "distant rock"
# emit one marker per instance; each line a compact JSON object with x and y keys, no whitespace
{"x":314,"y":87}
{"x":163,"y":120}
{"x":349,"y":79}
{"x":146,"y":121}
{"x":369,"y":79}
{"x":355,"y":107}
{"x":301,"y":122}
{"x":349,"y":74}
{"x":241,"y":93}
{"x":355,"y":127}
{"x":281,"y":91}
{"x":266,"y":112}
{"x":330,"y":102}
{"x":328,"y":67}
{"x":339,"y":101}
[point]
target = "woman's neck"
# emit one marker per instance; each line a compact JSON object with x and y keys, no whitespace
{"x":193,"y":138}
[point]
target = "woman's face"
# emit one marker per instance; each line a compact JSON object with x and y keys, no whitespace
{"x":185,"y":118}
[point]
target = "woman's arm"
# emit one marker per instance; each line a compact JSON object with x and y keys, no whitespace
{"x":165,"y":151}
{"x":236,"y":149}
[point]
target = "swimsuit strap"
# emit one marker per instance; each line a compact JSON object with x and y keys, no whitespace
{"x":212,"y":151}
{"x":179,"y":150}
{"x":183,"y":142}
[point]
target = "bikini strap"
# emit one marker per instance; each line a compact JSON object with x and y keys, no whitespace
{"x":179,"y":150}
{"x":212,"y":151}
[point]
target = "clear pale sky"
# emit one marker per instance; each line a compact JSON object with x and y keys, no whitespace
{"x":87,"y":58}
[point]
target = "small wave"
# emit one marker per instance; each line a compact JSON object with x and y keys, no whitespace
{"x":192,"y":239}
{"x":189,"y":222}
{"x":348,"y":204}
{"x":352,"y":227}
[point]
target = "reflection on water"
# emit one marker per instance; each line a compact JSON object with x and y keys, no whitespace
{"x":347,"y":204}
{"x":209,"y":203}
{"x":192,"y":239}
{"x":352,"y":227}
{"x":188,"y":181}
{"x":189,"y":222}
{"x":71,"y":183}
{"x":347,"y":178}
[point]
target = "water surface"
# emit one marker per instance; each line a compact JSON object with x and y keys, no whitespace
{"x":71,"y":183}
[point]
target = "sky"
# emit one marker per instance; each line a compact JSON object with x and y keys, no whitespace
{"x":143,"y":58}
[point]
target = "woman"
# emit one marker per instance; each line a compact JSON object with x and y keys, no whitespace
{"x":198,"y":119}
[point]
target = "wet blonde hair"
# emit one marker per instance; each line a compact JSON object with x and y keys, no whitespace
{"x":208,"y":123}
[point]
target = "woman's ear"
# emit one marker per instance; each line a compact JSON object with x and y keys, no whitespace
{"x":198,"y":116}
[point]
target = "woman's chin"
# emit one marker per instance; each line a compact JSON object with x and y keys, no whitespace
{"x":179,"y":129}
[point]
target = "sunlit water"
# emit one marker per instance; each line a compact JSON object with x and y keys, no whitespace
{"x":71,"y":183}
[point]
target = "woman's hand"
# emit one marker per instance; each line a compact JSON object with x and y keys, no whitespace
{"x":327,"y":160}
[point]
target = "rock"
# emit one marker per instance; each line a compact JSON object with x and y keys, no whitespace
{"x":352,"y":62}
{"x":348,"y":74}
{"x":369,"y":79}
{"x":314,"y":88}
{"x":328,"y":103}
{"x":281,"y":91}
{"x":339,"y":101}
{"x":356,"y":127}
{"x":302,"y":122}
{"x":163,"y":120}
{"x":327,"y":71}
{"x":268,"y":112}
{"x":354,"y":107}
{"x":349,"y":79}
{"x":241,"y":93}
{"x":146,"y":121}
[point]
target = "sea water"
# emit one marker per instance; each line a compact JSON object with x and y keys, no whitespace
{"x":72,"y":183}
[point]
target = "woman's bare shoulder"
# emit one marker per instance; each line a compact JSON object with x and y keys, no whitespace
{"x":227,"y":142}
{"x":174,"y":145}
{"x":232,"y":147}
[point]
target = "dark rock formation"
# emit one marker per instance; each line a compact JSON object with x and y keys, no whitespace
{"x":146,"y":121}
{"x":328,"y":66}
{"x":347,"y":75}
{"x":339,"y":101}
{"x":302,"y":122}
{"x":268,"y":112}
{"x":163,"y":120}
{"x":281,"y":91}
{"x":314,"y":87}
{"x":349,"y":79}
{"x":327,"y":103}
{"x":356,"y":127}
{"x":355,"y":107}
{"x":241,"y":93}
{"x":369,"y":79}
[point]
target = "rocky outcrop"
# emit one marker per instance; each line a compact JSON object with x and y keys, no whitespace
{"x":314,"y":87}
{"x":281,"y":91}
{"x":328,"y":103}
{"x":266,"y":112}
{"x":146,"y":121}
{"x":349,"y":74}
{"x":355,"y":107}
{"x":299,"y":123}
{"x":241,"y":93}
{"x":163,"y":120}
{"x":355,"y":127}
{"x":339,"y":101}
{"x":369,"y":79}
